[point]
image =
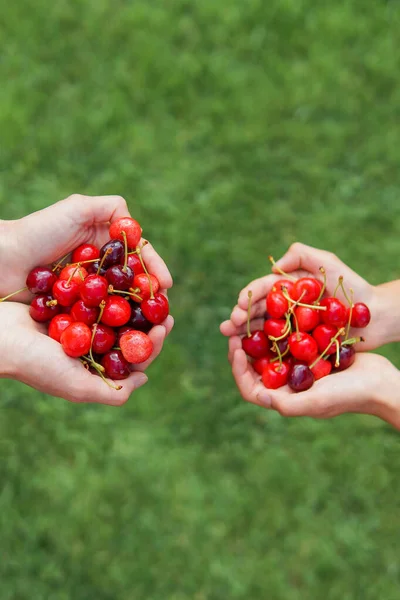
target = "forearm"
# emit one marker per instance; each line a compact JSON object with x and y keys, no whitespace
{"x":387,"y":306}
{"x":387,"y":397}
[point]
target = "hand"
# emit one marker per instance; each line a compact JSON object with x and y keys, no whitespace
{"x":28,"y":355}
{"x":369,"y":386}
{"x":45,"y":236}
{"x":300,"y":261}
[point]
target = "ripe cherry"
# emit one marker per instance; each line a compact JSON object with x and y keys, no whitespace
{"x":360,"y":316}
{"x":308,"y":289}
{"x":43,"y":308}
{"x":116,"y":253}
{"x":257,"y":345}
{"x":84,"y":314}
{"x":115,"y":365}
{"x":301,"y":378}
{"x":141,"y":281}
{"x":84,"y":253}
{"x":96,"y":268}
{"x":275,"y":375}
{"x":41,"y":280}
{"x":303,"y":347}
{"x":347,"y":356}
{"x":282,"y":285}
{"x":323,"y":335}
{"x":66,"y":292}
{"x":136,"y":347}
{"x":78,"y":274}
{"x":135,"y":264}
{"x":119,"y":277}
{"x":307,"y":318}
{"x":275,"y":327}
{"x":131,"y":228}
{"x":335,"y":313}
{"x":121,"y":331}
{"x":138,"y":320}
{"x":94,"y":290}
{"x":104,"y":339}
{"x":117,"y":312}
{"x":321,"y":369}
{"x":260,"y":363}
{"x":156,"y":309}
{"x":58,"y":324}
{"x":277,"y":305}
{"x":76,"y":340}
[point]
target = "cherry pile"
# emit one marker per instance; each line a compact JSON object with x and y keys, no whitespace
{"x":101,"y":306}
{"x":306,"y":333}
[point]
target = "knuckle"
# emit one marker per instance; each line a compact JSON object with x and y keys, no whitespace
{"x":296,"y":247}
{"x":75,"y":198}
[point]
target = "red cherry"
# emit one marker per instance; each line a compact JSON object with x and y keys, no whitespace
{"x":78,"y":277}
{"x":261,"y":363}
{"x":277,"y":305}
{"x":136,"y":347}
{"x":104,"y":339}
{"x":121,"y":331}
{"x":275,"y":375}
{"x":323,"y":335}
{"x":308,"y":289}
{"x":131,"y":228}
{"x":360,"y":316}
{"x":58,"y":324}
{"x":274,"y":327}
{"x":117,"y":312}
{"x":280,"y":285}
{"x":84,"y":253}
{"x":303,"y":346}
{"x":321,"y":369}
{"x":84,"y":314}
{"x":156,"y":309}
{"x":115,"y":365}
{"x":94,"y":290}
{"x":76,"y":340}
{"x":119,"y":278}
{"x":41,"y":280}
{"x":335,"y":313}
{"x":307,"y":318}
{"x":135,"y":264}
{"x":257,"y":345}
{"x":301,"y":378}
{"x":40,"y":311}
{"x":65,"y":293}
{"x":141,"y":281}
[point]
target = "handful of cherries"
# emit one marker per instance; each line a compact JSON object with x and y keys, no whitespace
{"x":306,"y":333}
{"x":101,"y":306}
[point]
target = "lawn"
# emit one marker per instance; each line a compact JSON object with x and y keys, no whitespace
{"x":232,"y":129}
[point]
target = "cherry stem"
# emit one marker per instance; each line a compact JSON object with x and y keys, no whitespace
{"x":93,"y":363}
{"x":91,"y":342}
{"x":83,"y":262}
{"x":286,"y":331}
{"x":52,"y":303}
{"x":13,"y":294}
{"x":59,"y":264}
{"x":279,"y":270}
{"x":333,"y":340}
{"x":275,"y":348}
{"x":297,"y":303}
{"x":124,"y":293}
{"x":106,"y":253}
{"x":72,"y":274}
{"x":337,"y":361}
{"x":145,"y":242}
{"x":296,"y":322}
{"x":350,"y":312}
{"x":111,"y":385}
{"x":126,"y":251}
{"x":139,"y":252}
{"x":249,"y":295}
{"x":351,"y":341}
{"x":323,"y":272}
{"x":102,"y":307}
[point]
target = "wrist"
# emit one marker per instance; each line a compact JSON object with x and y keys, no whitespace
{"x":386,"y":311}
{"x":387,"y":396}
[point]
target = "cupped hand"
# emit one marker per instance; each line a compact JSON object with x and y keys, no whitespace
{"x":28,"y":355}
{"x":369,"y":386}
{"x":301,"y":261}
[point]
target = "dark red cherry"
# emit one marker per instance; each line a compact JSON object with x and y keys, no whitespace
{"x":116,"y":255}
{"x":41,"y":280}
{"x":138,"y":321}
{"x":347,"y":356}
{"x":119,"y":277}
{"x":93,"y":268}
{"x":115,"y":365}
{"x":301,"y":378}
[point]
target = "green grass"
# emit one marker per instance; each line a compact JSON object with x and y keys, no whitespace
{"x":232,"y":128}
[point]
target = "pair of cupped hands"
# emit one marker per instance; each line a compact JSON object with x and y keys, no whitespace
{"x":26,"y":352}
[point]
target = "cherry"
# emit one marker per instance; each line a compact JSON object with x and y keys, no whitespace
{"x":120,"y":277}
{"x":136,"y":346}
{"x":275,"y":327}
{"x":58,"y":324}
{"x":275,"y":375}
{"x":135,"y":264}
{"x":84,"y":253}
{"x":321,"y":369}
{"x":277,"y":305}
{"x":261,"y":363}
{"x":41,"y":280}
{"x":104,"y":339}
{"x":122,"y":330}
{"x":360,"y":316}
{"x":66,"y":292}
{"x":307,"y":318}
{"x":116,"y":250}
{"x":84,"y":314}
{"x":78,"y":274}
{"x":141,"y":281}
{"x":131,"y":228}
{"x":115,"y":365}
{"x":308,"y":289}
{"x":283,"y":345}
{"x":257,"y":345}
{"x":94,"y":290}
{"x":335,"y":313}
{"x":43,"y":308}
{"x":303,"y":347}
{"x":138,"y":320}
{"x":347,"y":356}
{"x":117,"y":312}
{"x":96,"y":268}
{"x":323,"y":335}
{"x":283,"y":284}
{"x":76,"y":340}
{"x":301,"y":378}
{"x":156,"y":309}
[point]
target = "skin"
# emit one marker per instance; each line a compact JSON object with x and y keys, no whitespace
{"x":370,"y":386}
{"x":27,"y":354}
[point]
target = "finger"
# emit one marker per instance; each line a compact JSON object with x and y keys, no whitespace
{"x":94,"y":210}
{"x":300,"y":256}
{"x":168,"y":324}
{"x":239,"y":316}
{"x":235,"y":343}
{"x":247,"y":381}
{"x":259,"y":289}
{"x":228,"y":328}
{"x":157,"y":336}
{"x":157,"y":266}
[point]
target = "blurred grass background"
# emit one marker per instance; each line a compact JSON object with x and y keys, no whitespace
{"x":233,"y":129}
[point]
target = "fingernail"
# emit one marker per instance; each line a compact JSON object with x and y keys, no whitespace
{"x":141,"y":379}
